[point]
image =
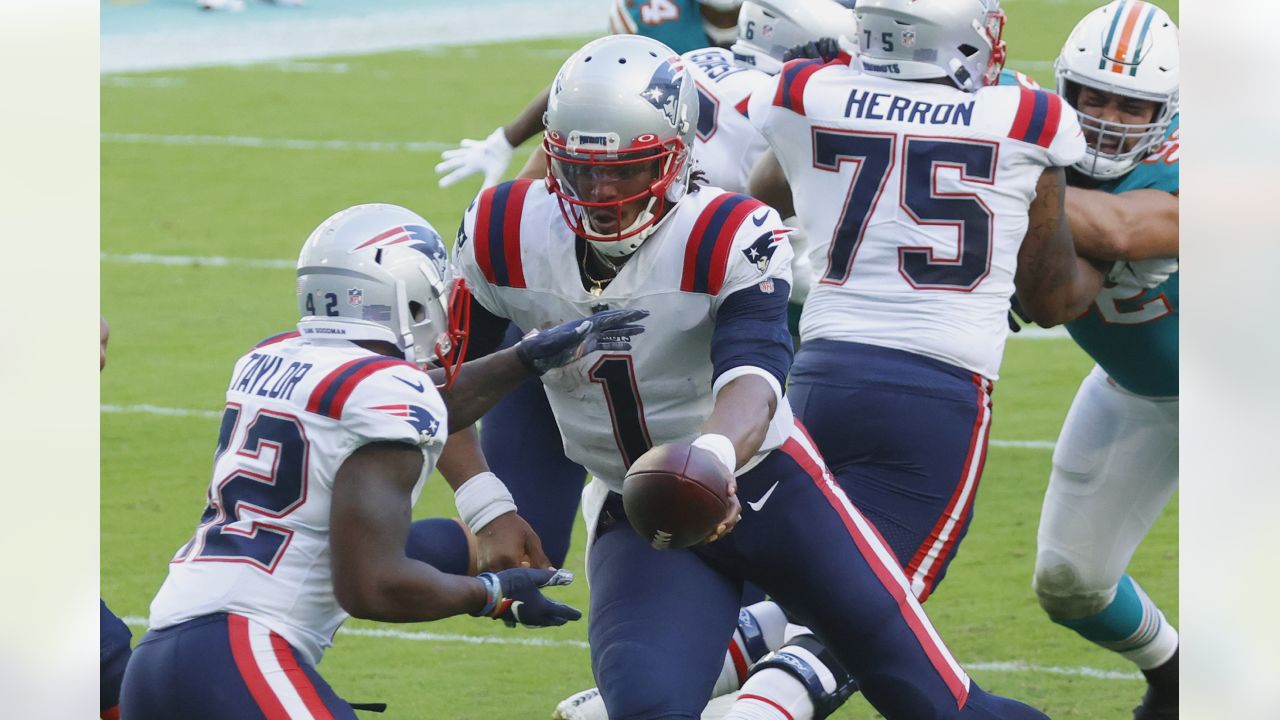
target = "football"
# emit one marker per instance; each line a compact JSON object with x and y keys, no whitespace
{"x":675,"y":495}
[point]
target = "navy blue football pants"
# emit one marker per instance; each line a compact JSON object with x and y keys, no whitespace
{"x":223,"y":667}
{"x":905,"y":436}
{"x":659,"y":619}
{"x":113,"y":656}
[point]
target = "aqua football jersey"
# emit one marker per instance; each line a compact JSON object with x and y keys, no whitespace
{"x":674,"y":23}
{"x":1131,"y":333}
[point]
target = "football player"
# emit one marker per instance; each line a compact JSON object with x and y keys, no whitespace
{"x":681,"y":24}
{"x":113,"y":635}
{"x":906,"y":319}
{"x":1116,"y":462}
{"x":620,"y":222}
{"x":327,"y":437}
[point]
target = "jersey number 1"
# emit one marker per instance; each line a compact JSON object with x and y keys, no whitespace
{"x":875,"y":155}
{"x":617,"y":375}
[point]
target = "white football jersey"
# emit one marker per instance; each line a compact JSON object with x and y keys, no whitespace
{"x":915,"y":197}
{"x":727,"y":145}
{"x":296,"y":409}
{"x":612,"y":407}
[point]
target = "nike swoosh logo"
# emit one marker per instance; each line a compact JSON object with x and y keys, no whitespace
{"x":760,"y":219}
{"x":415,"y":385}
{"x":763,"y":498}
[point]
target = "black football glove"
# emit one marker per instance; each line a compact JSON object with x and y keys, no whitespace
{"x":543,"y":350}
{"x":1015,"y":308}
{"x":514,"y":598}
{"x":824,"y":49}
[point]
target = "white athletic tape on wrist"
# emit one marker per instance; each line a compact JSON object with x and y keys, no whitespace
{"x":481,"y":499}
{"x":721,"y":447}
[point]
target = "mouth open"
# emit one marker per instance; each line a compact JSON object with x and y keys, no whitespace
{"x":604,"y":221}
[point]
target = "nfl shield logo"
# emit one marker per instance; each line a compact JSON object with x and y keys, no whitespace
{"x":909,"y":38}
{"x":355,"y":297}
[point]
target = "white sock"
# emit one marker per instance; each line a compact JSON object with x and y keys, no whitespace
{"x":775,"y":694}
{"x":737,"y":660}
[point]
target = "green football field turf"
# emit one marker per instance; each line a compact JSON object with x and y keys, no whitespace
{"x":212,"y":178}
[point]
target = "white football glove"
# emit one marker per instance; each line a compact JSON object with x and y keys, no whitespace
{"x":1142,"y":274}
{"x":489,"y":156}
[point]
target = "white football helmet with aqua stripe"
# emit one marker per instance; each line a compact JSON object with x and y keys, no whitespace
{"x":1128,"y":48}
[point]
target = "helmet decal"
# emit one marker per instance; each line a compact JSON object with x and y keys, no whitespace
{"x":663,"y":91}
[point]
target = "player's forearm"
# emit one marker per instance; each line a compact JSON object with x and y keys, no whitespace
{"x":529,"y":122}
{"x":480,"y":384}
{"x":410,"y":591}
{"x":1135,"y":225}
{"x":742,"y":413}
{"x":462,"y":458}
{"x":768,"y":184}
{"x":1065,"y":295}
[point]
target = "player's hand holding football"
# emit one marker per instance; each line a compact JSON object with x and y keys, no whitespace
{"x":733,"y":508}
{"x":610,"y":330}
{"x":515,"y":599}
{"x":507,"y":541}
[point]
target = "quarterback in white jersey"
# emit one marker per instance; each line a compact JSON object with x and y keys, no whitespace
{"x":619,"y":221}
{"x":327,"y":436}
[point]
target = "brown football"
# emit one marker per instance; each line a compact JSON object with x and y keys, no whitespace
{"x":675,"y":495}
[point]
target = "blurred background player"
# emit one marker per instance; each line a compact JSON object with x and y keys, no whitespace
{"x":113,"y":635}
{"x":1116,"y":462}
{"x":328,"y":434}
{"x":238,"y":5}
{"x":618,"y":222}
{"x":683,"y":25}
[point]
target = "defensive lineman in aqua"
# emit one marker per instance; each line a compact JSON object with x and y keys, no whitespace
{"x":1116,"y":462}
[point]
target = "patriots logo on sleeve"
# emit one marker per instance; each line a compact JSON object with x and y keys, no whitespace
{"x":663,"y":91}
{"x":419,"y":417}
{"x":760,"y":253}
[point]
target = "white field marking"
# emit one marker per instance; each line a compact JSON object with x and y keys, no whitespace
{"x":1034,"y":332}
{"x":333,"y":68}
{"x":157,"y":410}
{"x":197,"y":261}
{"x":187,"y":412}
{"x":1024,"y":444}
{"x":149,"y":82}
{"x":274,"y":143}
{"x":1005,"y":666}
{"x":136,"y":621}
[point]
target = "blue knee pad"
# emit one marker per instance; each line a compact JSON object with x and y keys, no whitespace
{"x":824,"y":703}
{"x":440,"y":543}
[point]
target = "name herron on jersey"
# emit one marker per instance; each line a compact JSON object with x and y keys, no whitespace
{"x":867,"y":105}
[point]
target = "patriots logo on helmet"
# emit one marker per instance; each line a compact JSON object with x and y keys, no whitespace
{"x":663,"y":91}
{"x":415,"y":237}
{"x":421,"y":420}
{"x":761,"y":251}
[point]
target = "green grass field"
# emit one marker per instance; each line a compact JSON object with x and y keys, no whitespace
{"x":181,"y":178}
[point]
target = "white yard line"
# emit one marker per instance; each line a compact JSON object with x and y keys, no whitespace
{"x":1005,"y":666}
{"x":244,"y":141}
{"x":196,"y":261}
{"x":188,"y":412}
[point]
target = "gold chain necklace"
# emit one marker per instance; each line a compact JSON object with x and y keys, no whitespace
{"x":597,"y":286}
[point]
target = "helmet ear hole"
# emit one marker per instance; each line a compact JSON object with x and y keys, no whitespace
{"x":968,"y":50}
{"x":418,"y":311}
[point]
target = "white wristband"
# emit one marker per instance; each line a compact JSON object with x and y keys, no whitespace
{"x":481,"y":499}
{"x":721,"y":447}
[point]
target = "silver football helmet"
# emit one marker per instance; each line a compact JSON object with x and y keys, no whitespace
{"x":622,"y":114}
{"x":769,"y":28}
{"x":380,"y":272}
{"x":910,"y":40}
{"x":1127,"y":48}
